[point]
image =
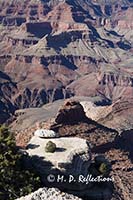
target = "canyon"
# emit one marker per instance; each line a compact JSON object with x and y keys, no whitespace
{"x":79,"y":50}
{"x":54,"y":50}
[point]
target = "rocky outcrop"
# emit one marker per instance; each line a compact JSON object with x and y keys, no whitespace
{"x":82,"y":127}
{"x":72,"y":154}
{"x":44,"y":133}
{"x":67,"y":159}
{"x":24,"y":124}
{"x":117,"y":115}
{"x":117,"y":149}
{"x":26,"y":118}
{"x":71,"y":112}
{"x":96,"y":112}
{"x":49,"y":194}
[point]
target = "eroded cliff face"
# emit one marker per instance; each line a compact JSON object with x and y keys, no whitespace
{"x":57,"y":49}
{"x":7,"y":88}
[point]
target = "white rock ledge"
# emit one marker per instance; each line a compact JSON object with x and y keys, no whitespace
{"x":49,"y":194}
{"x":67,"y":149}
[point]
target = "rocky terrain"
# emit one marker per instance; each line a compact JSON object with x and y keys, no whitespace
{"x":50,"y":194}
{"x":69,"y":47}
{"x":118,"y":116}
{"x":71,"y":121}
{"x":66,"y":160}
{"x":52,"y":50}
{"x":29,"y":120}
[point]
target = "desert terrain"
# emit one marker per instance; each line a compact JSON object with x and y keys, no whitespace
{"x":79,"y":50}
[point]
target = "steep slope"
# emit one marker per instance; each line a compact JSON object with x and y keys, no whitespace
{"x":7,"y":87}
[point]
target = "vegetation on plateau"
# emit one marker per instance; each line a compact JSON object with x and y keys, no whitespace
{"x":50,"y":147}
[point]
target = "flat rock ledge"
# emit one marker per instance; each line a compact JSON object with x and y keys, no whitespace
{"x":72,"y":157}
{"x":49,"y":194}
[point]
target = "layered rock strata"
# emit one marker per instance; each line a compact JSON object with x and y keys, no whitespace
{"x":69,"y":47}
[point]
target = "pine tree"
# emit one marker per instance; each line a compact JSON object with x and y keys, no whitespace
{"x":15,"y":180}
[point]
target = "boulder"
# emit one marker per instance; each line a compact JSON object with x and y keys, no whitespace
{"x":49,"y":194}
{"x":44,"y":133}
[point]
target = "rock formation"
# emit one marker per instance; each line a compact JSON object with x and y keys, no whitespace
{"x":49,"y":194}
{"x":69,"y":122}
{"x":71,"y":112}
{"x":44,"y":133}
{"x":69,"y":47}
{"x":72,"y":156}
{"x":51,"y":50}
{"x":102,"y":140}
{"x":117,"y":115}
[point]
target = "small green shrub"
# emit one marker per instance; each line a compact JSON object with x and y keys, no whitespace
{"x":50,"y":147}
{"x":103,"y":168}
{"x":100,"y":166}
